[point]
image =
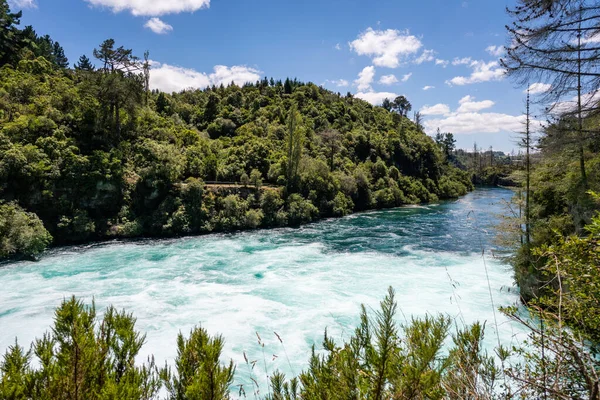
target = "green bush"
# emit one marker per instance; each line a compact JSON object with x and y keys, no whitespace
{"x":21,"y":232}
{"x":300,"y":210}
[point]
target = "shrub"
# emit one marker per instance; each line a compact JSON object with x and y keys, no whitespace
{"x":21,"y":232}
{"x":300,"y":210}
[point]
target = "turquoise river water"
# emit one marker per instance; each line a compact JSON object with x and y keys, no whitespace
{"x":295,"y":282}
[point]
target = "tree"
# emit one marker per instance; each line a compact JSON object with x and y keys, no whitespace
{"x":84,"y":64}
{"x":10,"y":35}
{"x":146,"y":69}
{"x":401,"y":105}
{"x":527,"y":143}
{"x":387,"y":104}
{"x":331,"y":139}
{"x":418,"y":120}
{"x":161,"y":103}
{"x":256,"y":179}
{"x":21,"y":232}
{"x":552,"y":42}
{"x":59,"y":57}
{"x":121,"y":85}
{"x":295,"y":143}
{"x":446,"y":143}
{"x":199,"y":373}
{"x":449,"y":144}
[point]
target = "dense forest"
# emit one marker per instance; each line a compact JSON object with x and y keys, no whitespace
{"x":90,"y":152}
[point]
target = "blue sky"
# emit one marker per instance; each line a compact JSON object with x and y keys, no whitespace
{"x":370,"y":48}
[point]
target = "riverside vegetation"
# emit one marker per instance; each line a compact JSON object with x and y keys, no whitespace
{"x":92,"y":153}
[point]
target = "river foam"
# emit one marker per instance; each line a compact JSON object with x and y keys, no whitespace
{"x":295,"y":282}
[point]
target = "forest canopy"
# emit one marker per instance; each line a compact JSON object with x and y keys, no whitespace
{"x":94,"y":153}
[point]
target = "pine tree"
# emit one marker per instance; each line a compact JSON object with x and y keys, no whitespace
{"x":58,"y":55}
{"x":84,"y":64}
{"x":10,"y":35}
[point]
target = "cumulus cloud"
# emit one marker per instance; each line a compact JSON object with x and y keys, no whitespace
{"x":428,"y":87}
{"x":426,"y":56}
{"x":468,"y":123}
{"x":22,"y":4}
{"x":151,"y":7}
{"x":443,"y":63}
{"x":388,"y":79}
{"x":495,"y":51}
{"x":482,"y":72}
{"x":468,"y":120}
{"x":375,"y":98}
{"x":365,"y":78}
{"x":386,"y":48}
{"x":169,"y":78}
{"x":537,"y":88}
{"x":468,"y":104}
{"x":438,"y":109}
{"x":406,"y":77}
{"x":156,"y":25}
{"x":337,"y":46}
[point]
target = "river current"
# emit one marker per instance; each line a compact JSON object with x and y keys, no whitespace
{"x":295,"y":282}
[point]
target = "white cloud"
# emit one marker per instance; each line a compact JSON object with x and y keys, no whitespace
{"x":588,"y":101}
{"x":386,"y":48}
{"x":426,"y":56}
{"x":595,"y":38}
{"x":495,"y":51}
{"x":389,"y":80}
{"x":428,"y":87}
{"x":20,"y":4}
{"x":443,"y":63}
{"x":468,"y":123}
{"x":339,"y":82}
{"x":337,"y":46}
{"x":156,"y":25}
{"x":170,"y":78}
{"x":537,"y":88}
{"x":482,"y":72}
{"x":151,"y":7}
{"x":406,"y":77}
{"x":462,"y":61}
{"x":468,"y":104}
{"x":467,"y":119}
{"x":438,"y":109}
{"x":365,"y":78}
{"x":375,"y":98}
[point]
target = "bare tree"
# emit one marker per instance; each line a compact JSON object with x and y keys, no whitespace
{"x":555,"y":43}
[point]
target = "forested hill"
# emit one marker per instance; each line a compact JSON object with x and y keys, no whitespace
{"x":94,"y":154}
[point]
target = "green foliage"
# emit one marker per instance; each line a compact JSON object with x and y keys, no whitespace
{"x":81,"y":359}
{"x":199,"y":374}
{"x":21,"y":232}
{"x":95,"y":155}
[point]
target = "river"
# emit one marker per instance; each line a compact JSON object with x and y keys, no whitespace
{"x":295,"y":282}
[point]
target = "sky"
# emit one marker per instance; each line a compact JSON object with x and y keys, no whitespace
{"x":443,"y":55}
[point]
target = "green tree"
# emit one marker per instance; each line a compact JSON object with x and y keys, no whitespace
{"x":84,"y":64}
{"x":21,"y":233}
{"x":295,"y":143}
{"x":199,"y":373}
{"x":10,"y":35}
